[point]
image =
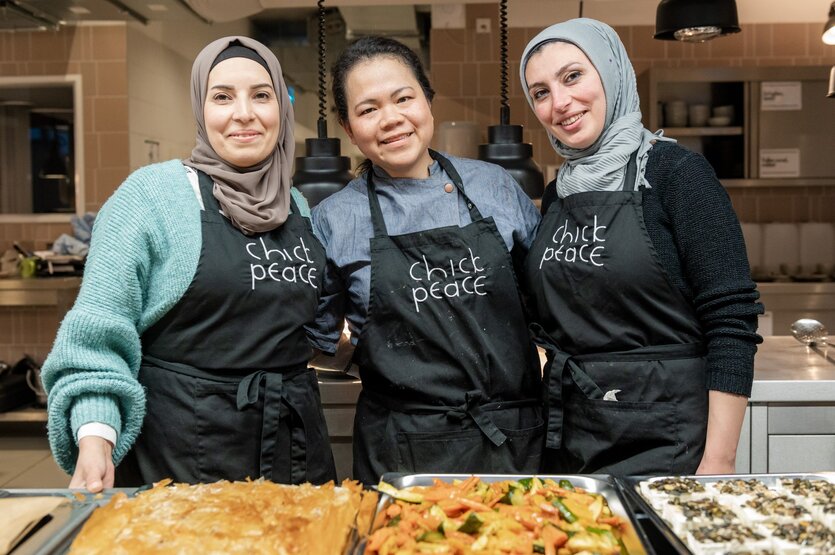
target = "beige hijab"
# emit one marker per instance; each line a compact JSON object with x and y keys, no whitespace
{"x":255,"y":199}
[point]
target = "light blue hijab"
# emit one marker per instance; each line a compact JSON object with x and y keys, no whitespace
{"x":601,"y":166}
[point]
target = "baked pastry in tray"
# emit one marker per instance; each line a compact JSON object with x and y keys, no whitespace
{"x":250,"y":517}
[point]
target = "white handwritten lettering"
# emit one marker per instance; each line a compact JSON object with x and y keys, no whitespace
{"x":571,"y":242}
{"x":438,"y":283}
{"x":290,"y":264}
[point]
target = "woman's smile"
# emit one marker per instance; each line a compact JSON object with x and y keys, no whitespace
{"x":571,"y":120}
{"x":567,"y":94}
{"x":389,"y":117}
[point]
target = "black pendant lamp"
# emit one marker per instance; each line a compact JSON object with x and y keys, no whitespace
{"x":828,"y":36}
{"x":322,"y":171}
{"x":695,"y":20}
{"x":505,"y":147}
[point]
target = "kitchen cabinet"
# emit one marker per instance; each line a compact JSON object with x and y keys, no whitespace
{"x":786,"y":141}
{"x":790,"y":420}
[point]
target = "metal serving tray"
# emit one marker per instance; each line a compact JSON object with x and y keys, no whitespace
{"x":630,"y":486}
{"x":634,"y":539}
{"x":55,"y":536}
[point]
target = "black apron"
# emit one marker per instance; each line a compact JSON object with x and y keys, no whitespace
{"x":626,"y":357}
{"x":229,"y":394}
{"x":450,"y":375}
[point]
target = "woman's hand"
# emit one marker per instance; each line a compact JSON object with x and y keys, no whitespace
{"x":716,"y":466}
{"x":94,"y":468}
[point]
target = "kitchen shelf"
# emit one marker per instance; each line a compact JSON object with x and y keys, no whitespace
{"x":702,"y":131}
{"x":59,"y":292}
{"x":742,"y":154}
{"x":30,"y":414}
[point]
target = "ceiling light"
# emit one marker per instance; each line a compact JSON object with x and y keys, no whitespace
{"x":691,"y":21}
{"x":158,"y":7}
{"x":829,"y":29}
{"x":79,"y":10}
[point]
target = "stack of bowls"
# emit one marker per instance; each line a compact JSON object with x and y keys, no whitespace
{"x":698,"y":115}
{"x":726,"y":111}
{"x":675,"y":113}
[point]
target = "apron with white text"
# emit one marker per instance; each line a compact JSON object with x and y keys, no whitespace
{"x":450,"y":375}
{"x":626,"y":357}
{"x":229,"y":393}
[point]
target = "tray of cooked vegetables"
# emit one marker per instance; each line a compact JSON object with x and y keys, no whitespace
{"x":454,"y":514}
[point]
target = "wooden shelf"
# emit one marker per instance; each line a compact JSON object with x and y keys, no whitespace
{"x":702,"y":131}
{"x":25,"y":414}
{"x":60,"y":292}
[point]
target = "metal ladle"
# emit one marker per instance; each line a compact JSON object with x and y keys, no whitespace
{"x":813,"y":334}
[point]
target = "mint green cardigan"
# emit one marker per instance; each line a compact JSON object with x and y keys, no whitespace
{"x":143,"y":255}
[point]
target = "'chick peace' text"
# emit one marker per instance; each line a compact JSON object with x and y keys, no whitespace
{"x":576,"y":244}
{"x":454,"y":278}
{"x":281,"y":264}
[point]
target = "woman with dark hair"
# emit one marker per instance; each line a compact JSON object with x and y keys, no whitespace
{"x":638,"y":276}
{"x":419,"y":263}
{"x":185,"y":355}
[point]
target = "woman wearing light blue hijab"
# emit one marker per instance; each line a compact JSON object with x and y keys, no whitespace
{"x":638,"y":276}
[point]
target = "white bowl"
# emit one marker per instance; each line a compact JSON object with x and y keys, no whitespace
{"x":719,"y":121}
{"x":727,"y":110}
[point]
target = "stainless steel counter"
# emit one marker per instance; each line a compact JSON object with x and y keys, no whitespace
{"x":54,"y":291}
{"x":787,"y":371}
{"x":790,"y":301}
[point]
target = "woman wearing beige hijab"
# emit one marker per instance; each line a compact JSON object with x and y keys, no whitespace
{"x":185,"y":354}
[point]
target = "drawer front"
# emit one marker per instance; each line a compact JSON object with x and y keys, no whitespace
{"x":801,"y":453}
{"x":819,"y":419}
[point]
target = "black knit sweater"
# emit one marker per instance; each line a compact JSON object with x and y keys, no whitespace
{"x":692,"y":224}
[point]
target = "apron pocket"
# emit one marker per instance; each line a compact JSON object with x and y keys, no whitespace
{"x":228,"y":440}
{"x":469,"y":451}
{"x":616,"y":437}
{"x":457,"y":452}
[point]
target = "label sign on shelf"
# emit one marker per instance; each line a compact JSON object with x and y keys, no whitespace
{"x":779,"y":162}
{"x":781,"y":95}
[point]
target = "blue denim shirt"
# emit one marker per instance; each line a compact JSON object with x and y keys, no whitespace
{"x":342,"y":222}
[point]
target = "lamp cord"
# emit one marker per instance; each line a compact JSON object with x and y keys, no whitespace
{"x":504,"y":115}
{"x":322,"y":123}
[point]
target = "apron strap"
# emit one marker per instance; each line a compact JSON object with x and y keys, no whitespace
{"x":207,"y":184}
{"x":248,"y":394}
{"x":472,"y":400}
{"x":453,"y":174}
{"x":631,"y":172}
{"x":377,"y":219}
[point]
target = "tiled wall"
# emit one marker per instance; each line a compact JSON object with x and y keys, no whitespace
{"x":98,"y":54}
{"x":29,"y":330}
{"x":465,"y":73}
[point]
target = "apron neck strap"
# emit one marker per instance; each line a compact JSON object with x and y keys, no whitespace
{"x":377,"y":219}
{"x":207,"y":185}
{"x":631,"y":171}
